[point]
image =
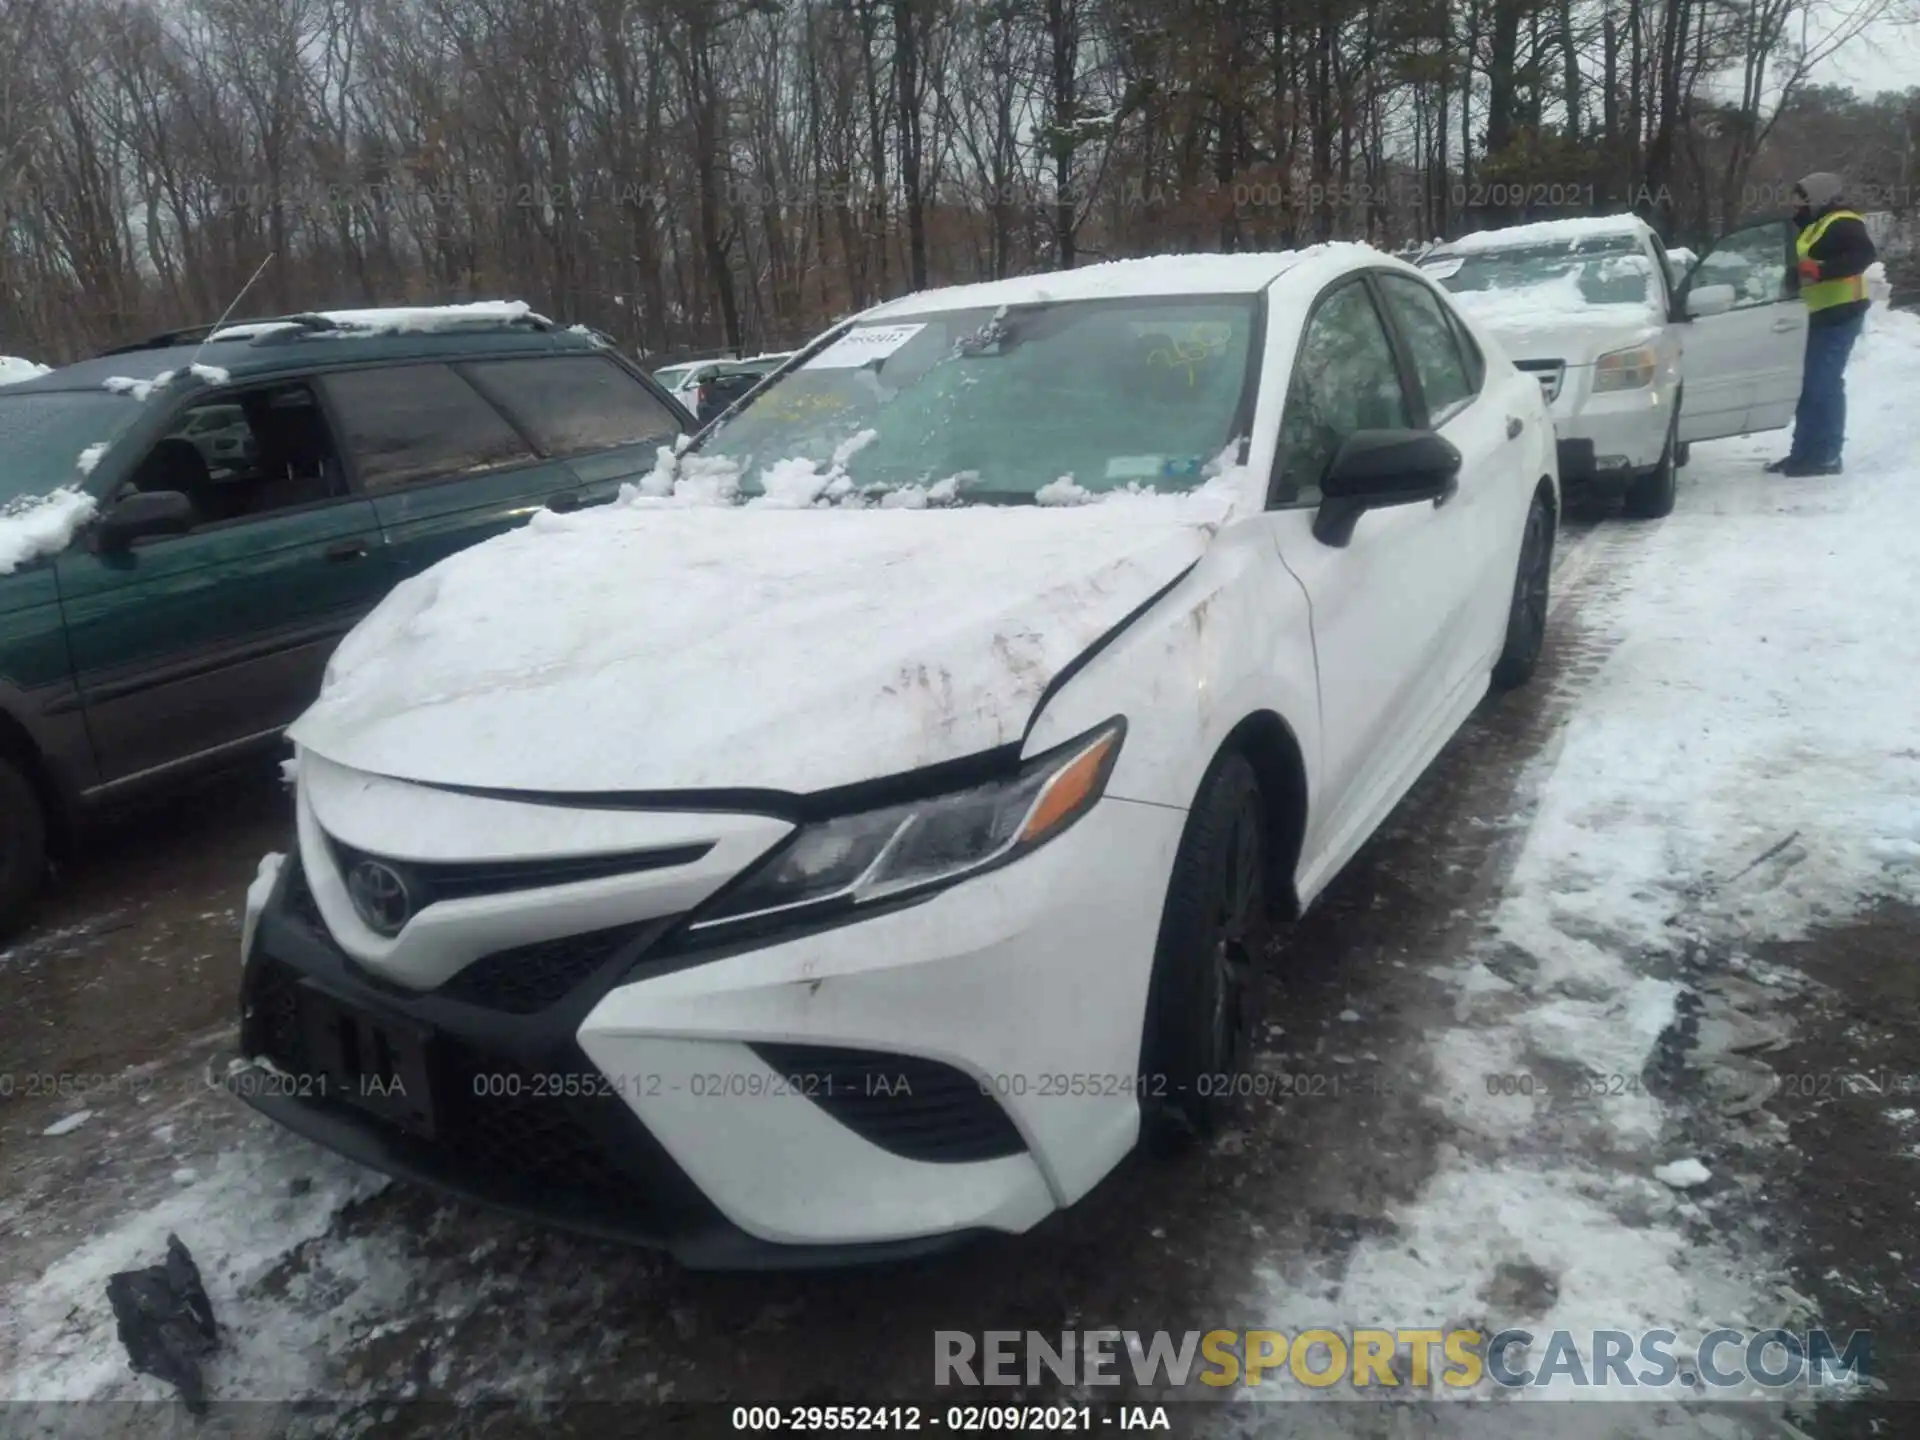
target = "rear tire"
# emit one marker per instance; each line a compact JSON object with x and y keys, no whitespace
{"x":23,"y":845}
{"x":1211,"y":934}
{"x":1527,"y":614}
{"x":1651,"y":495}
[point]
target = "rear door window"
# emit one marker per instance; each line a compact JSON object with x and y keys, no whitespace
{"x":1446,"y":381}
{"x":574,"y":404}
{"x":412,"y":424}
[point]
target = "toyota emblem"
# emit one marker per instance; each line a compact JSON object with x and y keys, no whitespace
{"x":379,"y":897}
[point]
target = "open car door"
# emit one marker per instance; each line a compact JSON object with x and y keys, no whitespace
{"x":1744,"y":335}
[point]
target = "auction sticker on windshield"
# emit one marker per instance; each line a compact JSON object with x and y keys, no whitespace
{"x":863,"y":347}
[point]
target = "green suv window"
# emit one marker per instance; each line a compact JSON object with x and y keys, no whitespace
{"x":43,"y":434}
{"x":410,"y":423}
{"x":574,"y":404}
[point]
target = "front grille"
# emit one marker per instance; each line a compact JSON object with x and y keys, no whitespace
{"x":505,"y":1121}
{"x":912,"y":1107}
{"x":428,"y":881}
{"x":528,"y":978}
{"x":552,"y":1136}
{"x":1548,"y":372}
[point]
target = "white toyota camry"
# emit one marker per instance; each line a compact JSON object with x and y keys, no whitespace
{"x":858,"y":834}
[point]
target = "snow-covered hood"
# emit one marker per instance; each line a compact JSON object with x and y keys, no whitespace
{"x":647,"y":648}
{"x":1574,"y":339}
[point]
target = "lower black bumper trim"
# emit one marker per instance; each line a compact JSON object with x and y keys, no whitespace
{"x":1577,"y":462}
{"x":719,"y":1245}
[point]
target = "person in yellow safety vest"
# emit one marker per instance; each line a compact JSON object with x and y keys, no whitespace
{"x":1834,"y":252}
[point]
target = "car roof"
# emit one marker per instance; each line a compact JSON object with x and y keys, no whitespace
{"x":1242,"y":274}
{"x":283,"y":350}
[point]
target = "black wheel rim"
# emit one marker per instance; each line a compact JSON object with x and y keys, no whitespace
{"x":1530,"y":590}
{"x":1235,"y":911}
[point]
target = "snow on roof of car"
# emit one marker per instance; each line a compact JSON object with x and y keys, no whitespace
{"x":1570,"y":231}
{"x":13,"y":369}
{"x":1118,"y":279}
{"x":395,"y":318}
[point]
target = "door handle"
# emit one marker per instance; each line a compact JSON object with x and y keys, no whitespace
{"x":1514,"y":426}
{"x":347,"y":550}
{"x":563,"y":502}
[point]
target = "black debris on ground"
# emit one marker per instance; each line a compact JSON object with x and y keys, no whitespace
{"x":166,"y":1322}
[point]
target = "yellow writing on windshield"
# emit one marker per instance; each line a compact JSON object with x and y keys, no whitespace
{"x":1187,"y":354}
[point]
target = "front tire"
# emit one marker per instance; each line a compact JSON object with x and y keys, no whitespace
{"x":1651,"y":495}
{"x":1527,"y":613}
{"x":1211,"y":933}
{"x":23,"y":845}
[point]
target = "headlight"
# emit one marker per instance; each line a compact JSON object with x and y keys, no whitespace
{"x":856,"y":859}
{"x":1625,"y":369}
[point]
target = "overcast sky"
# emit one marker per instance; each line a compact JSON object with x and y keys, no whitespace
{"x":1885,"y":57}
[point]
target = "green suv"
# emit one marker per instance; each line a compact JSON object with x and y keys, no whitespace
{"x":253,"y":495}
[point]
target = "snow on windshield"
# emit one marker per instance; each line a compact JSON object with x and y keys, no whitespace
{"x":1547,"y":281}
{"x":994,"y":405}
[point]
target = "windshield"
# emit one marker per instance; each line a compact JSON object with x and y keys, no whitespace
{"x":1611,"y":270}
{"x":42,"y":435}
{"x":998,"y":405}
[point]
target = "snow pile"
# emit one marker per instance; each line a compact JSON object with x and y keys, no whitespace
{"x":1682,"y":1174}
{"x":43,"y":525}
{"x":680,"y":478}
{"x":280,"y":1321}
{"x":1062,"y":492}
{"x":137,"y":388}
{"x":13,"y":370}
{"x":1571,"y":232}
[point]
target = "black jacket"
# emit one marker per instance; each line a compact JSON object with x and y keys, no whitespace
{"x":1843,"y":251}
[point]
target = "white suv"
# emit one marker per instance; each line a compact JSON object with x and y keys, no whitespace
{"x":1635,"y":360}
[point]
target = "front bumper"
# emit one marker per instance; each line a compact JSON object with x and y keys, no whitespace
{"x":1015,"y":998}
{"x":1609,"y":435}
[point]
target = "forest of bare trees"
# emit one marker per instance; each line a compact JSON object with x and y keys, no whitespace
{"x":693,"y":173}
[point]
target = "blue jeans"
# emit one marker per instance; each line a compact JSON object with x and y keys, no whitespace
{"x":1820,"y":422}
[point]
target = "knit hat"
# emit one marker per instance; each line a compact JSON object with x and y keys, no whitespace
{"x":1820,"y":189}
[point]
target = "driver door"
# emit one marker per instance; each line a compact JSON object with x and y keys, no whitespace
{"x":1742,"y":367}
{"x":1392,"y":608}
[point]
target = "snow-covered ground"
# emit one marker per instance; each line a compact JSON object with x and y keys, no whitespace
{"x":1737,"y":762}
{"x":1743,"y":765}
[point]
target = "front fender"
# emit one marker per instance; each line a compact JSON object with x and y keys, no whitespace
{"x":1231,"y":639}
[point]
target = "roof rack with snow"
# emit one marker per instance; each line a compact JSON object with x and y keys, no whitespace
{"x":390,"y":320}
{"x":281,"y":328}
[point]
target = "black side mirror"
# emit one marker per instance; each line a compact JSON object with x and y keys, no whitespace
{"x":1374,"y":469}
{"x":144,"y":513}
